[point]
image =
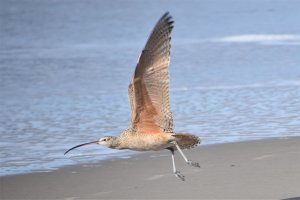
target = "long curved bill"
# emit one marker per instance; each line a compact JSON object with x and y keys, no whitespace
{"x":94,"y":142}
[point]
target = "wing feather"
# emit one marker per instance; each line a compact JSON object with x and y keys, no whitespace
{"x":148,"y":90}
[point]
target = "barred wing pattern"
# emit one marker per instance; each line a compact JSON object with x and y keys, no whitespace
{"x":149,"y":88}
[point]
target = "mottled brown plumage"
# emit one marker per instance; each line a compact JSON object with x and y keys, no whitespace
{"x":151,"y":124}
{"x":149,"y":86}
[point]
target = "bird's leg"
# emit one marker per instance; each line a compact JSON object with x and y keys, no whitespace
{"x":176,"y":173}
{"x":189,"y":162}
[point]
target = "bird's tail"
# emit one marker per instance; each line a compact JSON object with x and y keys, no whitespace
{"x":186,"y":140}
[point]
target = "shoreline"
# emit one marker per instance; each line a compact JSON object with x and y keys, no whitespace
{"x":130,"y":155}
{"x":267,"y":168}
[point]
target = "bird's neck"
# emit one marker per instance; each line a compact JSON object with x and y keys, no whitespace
{"x":116,"y":143}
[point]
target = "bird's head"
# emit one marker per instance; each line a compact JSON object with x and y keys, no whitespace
{"x":108,"y":141}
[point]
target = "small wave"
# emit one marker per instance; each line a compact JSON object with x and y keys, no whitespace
{"x":275,"y":39}
{"x":232,"y":87}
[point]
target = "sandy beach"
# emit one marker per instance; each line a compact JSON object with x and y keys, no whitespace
{"x":262,"y":169}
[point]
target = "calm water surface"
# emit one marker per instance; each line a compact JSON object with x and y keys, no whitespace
{"x":65,"y":67}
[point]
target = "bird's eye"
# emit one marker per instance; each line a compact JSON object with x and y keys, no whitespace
{"x":104,"y":139}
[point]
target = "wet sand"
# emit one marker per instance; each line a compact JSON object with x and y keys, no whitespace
{"x":254,"y":169}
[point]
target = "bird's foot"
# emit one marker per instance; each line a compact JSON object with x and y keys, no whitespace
{"x":179,"y":175}
{"x":194,"y":164}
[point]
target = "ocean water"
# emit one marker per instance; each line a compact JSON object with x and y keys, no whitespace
{"x":65,"y":67}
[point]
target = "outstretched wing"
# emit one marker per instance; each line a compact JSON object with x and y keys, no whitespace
{"x":149,"y":88}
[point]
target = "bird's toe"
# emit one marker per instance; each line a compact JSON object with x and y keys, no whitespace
{"x":179,"y":175}
{"x":194,"y":164}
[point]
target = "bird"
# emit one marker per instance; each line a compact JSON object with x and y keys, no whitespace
{"x":151,"y":124}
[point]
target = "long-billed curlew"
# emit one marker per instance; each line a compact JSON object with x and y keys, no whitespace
{"x":151,"y":126}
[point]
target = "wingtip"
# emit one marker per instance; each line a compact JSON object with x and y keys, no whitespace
{"x":167,"y":17}
{"x":167,"y":13}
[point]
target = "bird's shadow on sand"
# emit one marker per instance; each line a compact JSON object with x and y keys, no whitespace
{"x":292,"y":198}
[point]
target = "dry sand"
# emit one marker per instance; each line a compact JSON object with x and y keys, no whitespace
{"x":263,"y":169}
